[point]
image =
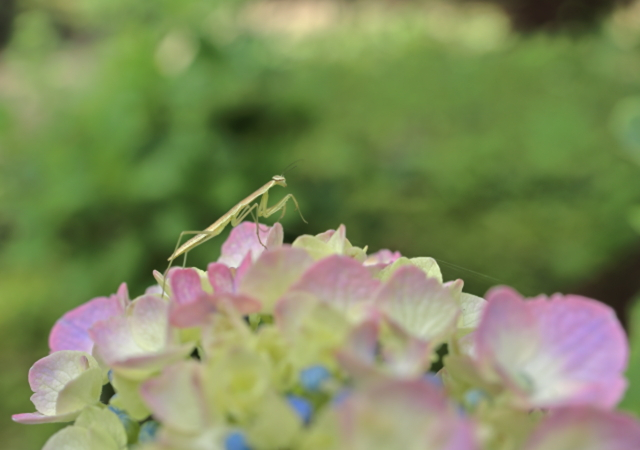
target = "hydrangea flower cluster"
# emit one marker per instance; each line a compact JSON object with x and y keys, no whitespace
{"x":319,"y":346}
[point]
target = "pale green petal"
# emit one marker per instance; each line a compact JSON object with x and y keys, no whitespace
{"x":472,"y":307}
{"x":105,"y":423}
{"x":273,"y":273}
{"x":275,"y":424}
{"x":330,"y":243}
{"x":324,"y":433}
{"x":210,"y":439}
{"x":83,"y":390}
{"x":422,"y":306}
{"x":51,"y":374}
{"x":75,"y":438}
{"x":175,"y":397}
{"x":128,"y":397}
{"x":313,"y":246}
{"x":237,"y":381}
{"x":148,"y":322}
{"x":273,"y":346}
{"x":357,"y":253}
{"x":313,"y":329}
{"x":95,"y":429}
{"x":338,"y":239}
{"x":428,"y":265}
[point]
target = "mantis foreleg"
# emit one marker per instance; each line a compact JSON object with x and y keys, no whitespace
{"x":255,"y":219}
{"x":264,"y":211}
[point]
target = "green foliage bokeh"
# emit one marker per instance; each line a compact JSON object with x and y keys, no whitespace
{"x":631,"y":401}
{"x":124,"y":123}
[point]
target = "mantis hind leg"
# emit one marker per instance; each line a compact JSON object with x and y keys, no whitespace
{"x":244,"y":212}
{"x":184,"y":263}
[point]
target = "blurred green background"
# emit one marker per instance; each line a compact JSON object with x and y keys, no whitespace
{"x":505,"y":145}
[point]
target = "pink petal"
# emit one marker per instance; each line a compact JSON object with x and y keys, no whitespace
{"x":185,"y":285}
{"x":358,"y":355}
{"x":192,"y":314}
{"x":407,"y":356}
{"x":70,"y":332}
{"x":143,"y":331}
{"x":382,"y":257}
{"x":339,"y":281}
{"x":114,"y":339}
{"x":122,"y":295}
{"x":363,"y":340}
{"x":243,"y":240}
{"x":198,"y":313}
{"x":570,"y":322}
{"x":151,"y":362}
{"x":243,"y":268}
{"x":327,"y":235}
{"x":567,"y":350}
{"x":240,"y":303}
{"x":275,"y":236}
{"x":290,"y":312}
{"x":221,"y":278}
{"x":36,"y":418}
{"x":507,"y":330}
{"x":175,"y":397}
{"x":585,"y":428}
{"x":403,"y":414}
{"x":273,"y":273}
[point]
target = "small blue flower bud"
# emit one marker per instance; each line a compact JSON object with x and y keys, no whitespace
{"x":312,"y":377}
{"x":148,"y":431}
{"x":236,"y":440}
{"x":473,"y":397}
{"x":301,"y":406}
{"x":131,"y":427}
{"x":433,"y":378}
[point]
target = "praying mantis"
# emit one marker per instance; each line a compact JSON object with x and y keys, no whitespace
{"x":236,"y":215}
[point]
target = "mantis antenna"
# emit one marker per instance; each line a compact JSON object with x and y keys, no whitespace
{"x":291,"y":166}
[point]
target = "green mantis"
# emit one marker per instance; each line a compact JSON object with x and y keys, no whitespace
{"x":237,"y":215}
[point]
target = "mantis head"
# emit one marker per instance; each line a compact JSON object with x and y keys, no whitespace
{"x":279,"y":180}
